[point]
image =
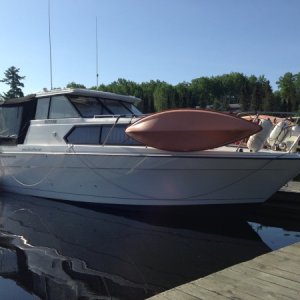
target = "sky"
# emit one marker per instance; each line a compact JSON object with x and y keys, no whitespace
{"x":141,"y":40}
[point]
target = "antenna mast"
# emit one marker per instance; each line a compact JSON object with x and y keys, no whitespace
{"x":50,"y":50}
{"x":97,"y":74}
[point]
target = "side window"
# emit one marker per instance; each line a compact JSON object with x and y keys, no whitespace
{"x":98,"y":134}
{"x":84,"y":135}
{"x":61,"y":107}
{"x":42,"y":108}
{"x":115,"y":136}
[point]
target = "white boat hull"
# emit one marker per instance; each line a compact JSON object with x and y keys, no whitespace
{"x":145,"y":176}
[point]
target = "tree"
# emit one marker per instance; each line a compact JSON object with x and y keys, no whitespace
{"x":268,"y":98}
{"x":183,"y":95}
{"x":13,"y":79}
{"x":74,"y":85}
{"x":164,"y":97}
{"x":201,"y":92}
{"x":148,"y":88}
{"x":288,"y":91}
{"x":251,"y":92}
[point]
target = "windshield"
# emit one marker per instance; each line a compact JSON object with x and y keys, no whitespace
{"x":90,"y":107}
{"x":132,"y":108}
{"x":116,"y":107}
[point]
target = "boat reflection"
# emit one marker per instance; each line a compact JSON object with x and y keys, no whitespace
{"x":57,"y":250}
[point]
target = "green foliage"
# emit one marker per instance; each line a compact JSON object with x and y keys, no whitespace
{"x":164,"y":97}
{"x":251,"y":92}
{"x":183,"y":96}
{"x":13,"y":79}
{"x":74,"y":85}
{"x":289,"y":85}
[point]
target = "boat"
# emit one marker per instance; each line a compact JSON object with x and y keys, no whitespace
{"x":71,"y":145}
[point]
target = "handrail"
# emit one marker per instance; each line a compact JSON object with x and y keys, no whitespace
{"x":110,"y":130}
{"x":293,"y":145}
{"x":114,"y":116}
{"x":114,"y":125}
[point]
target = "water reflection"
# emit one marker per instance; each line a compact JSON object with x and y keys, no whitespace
{"x":56,"y":250}
{"x":274,"y":237}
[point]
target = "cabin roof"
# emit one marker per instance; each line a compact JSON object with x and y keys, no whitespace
{"x":88,"y":93}
{"x":18,"y":100}
{"x":75,"y":92}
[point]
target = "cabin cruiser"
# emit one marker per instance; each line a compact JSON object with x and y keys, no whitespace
{"x":71,"y":145}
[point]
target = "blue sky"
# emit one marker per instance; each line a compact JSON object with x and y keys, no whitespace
{"x":141,"y":40}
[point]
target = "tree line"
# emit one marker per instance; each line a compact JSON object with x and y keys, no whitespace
{"x":217,"y":92}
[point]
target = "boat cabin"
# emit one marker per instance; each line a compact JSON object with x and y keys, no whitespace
{"x":80,"y":116}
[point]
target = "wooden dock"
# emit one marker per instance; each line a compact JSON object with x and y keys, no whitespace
{"x":291,"y":187}
{"x":275,"y":275}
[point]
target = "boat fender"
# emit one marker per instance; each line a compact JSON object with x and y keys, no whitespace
{"x":257,"y":141}
{"x":278,"y":133}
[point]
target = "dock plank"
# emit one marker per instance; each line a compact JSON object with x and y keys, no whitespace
{"x":226,"y":287}
{"x":275,"y":275}
{"x":177,"y":294}
{"x":262,"y":284}
{"x":193,"y":289}
{"x":287,"y":280}
{"x":260,"y":267}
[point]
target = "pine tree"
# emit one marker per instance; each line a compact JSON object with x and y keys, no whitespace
{"x":13,"y":79}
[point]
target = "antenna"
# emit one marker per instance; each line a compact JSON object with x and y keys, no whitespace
{"x":97,"y":74}
{"x":50,"y":50}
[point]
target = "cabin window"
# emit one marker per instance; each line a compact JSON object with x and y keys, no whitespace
{"x":116,"y":136}
{"x":132,"y":108}
{"x":85,"y":135}
{"x":116,"y":107}
{"x":89,"y":107}
{"x":42,"y":109}
{"x":98,"y":134}
{"x":60,"y":107}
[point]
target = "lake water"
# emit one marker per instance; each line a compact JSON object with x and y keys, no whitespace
{"x":55,"y":250}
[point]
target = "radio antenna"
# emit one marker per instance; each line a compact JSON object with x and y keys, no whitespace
{"x":50,"y":50}
{"x":97,"y":74}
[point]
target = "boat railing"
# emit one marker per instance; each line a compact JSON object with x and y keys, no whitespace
{"x":110,"y":130}
{"x":280,"y":114}
{"x":115,"y":116}
{"x":294,"y":145}
{"x":132,"y":118}
{"x":114,"y":125}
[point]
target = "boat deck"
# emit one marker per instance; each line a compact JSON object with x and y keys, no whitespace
{"x":275,"y":275}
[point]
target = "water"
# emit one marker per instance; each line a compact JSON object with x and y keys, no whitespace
{"x":55,"y":250}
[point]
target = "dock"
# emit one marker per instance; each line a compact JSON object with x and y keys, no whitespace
{"x":291,"y":187}
{"x":275,"y":275}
